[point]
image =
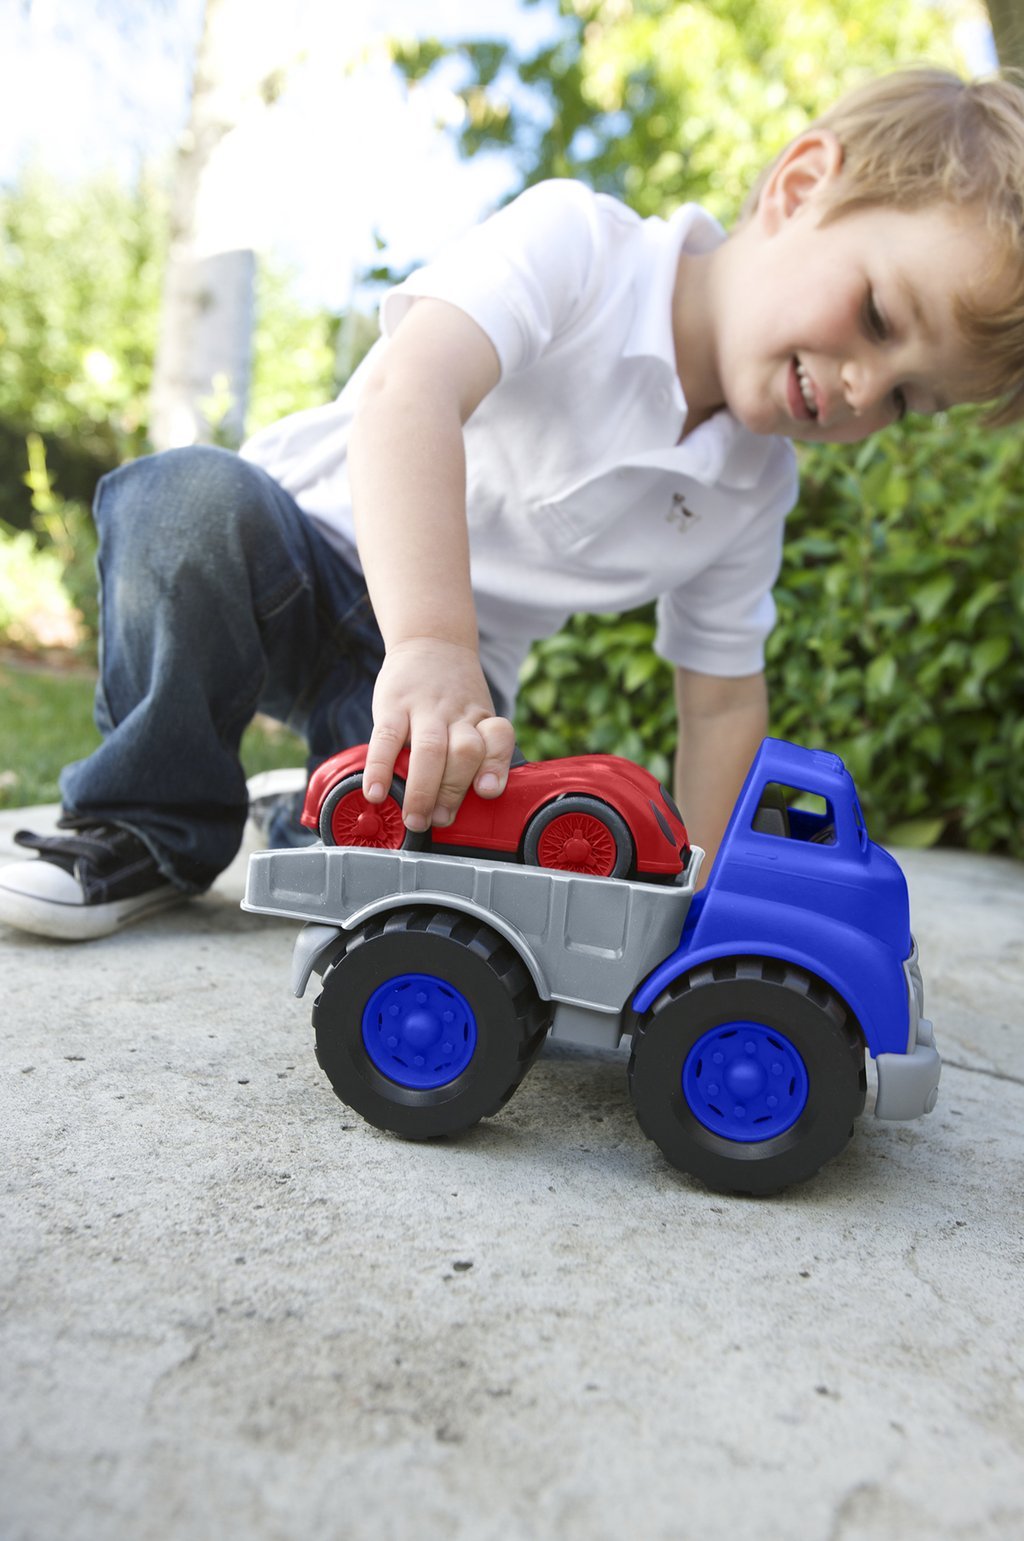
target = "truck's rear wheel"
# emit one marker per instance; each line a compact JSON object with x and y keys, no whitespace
{"x":427,"y":1022}
{"x":748,"y":1073}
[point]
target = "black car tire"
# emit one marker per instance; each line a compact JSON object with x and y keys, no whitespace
{"x":593,"y":809}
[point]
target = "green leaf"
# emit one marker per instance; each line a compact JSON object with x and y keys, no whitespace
{"x":932,"y":598}
{"x":881,"y":675}
{"x":641,"y":668}
{"x":988,"y":655}
{"x":981,"y":600}
{"x":541,"y":697}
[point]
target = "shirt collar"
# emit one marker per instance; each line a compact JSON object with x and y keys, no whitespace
{"x":654,"y":281}
{"x":721,"y":452}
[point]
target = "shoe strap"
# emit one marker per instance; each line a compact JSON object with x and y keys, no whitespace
{"x":63,"y":847}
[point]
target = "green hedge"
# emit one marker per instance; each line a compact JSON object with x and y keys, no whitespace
{"x":899,"y":642}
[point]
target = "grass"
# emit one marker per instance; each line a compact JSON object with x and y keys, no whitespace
{"x":46,"y":722}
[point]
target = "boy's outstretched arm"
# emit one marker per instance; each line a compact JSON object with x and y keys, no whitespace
{"x":408,"y":477}
{"x":721,"y":724}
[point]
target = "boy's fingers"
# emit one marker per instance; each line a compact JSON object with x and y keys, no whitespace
{"x":466,"y":750}
{"x":428,"y":755}
{"x":499,"y":738}
{"x":443,"y":763}
{"x":386,"y":742}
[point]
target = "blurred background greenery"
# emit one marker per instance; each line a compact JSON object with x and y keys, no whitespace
{"x":902,"y":597}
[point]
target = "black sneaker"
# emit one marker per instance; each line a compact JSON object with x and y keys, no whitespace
{"x":87,"y":881}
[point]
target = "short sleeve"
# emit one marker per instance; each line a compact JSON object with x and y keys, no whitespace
{"x":718,"y":622}
{"x":521,"y":275}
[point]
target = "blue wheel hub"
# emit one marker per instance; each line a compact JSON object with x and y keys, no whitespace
{"x":419,"y":1031}
{"x":745,"y":1081}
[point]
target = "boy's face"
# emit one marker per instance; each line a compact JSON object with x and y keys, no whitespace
{"x":830,"y":332}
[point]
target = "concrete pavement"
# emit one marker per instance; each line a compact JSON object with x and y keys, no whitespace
{"x":232,"y":1308}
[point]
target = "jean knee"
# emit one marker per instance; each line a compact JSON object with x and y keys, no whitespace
{"x":168,"y":542}
{"x":193,"y":528}
{"x":177,"y":499}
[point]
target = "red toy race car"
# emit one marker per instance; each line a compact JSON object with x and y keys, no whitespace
{"x":594,"y":813}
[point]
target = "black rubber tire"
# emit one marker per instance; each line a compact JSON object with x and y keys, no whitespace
{"x":786,"y":1000}
{"x":613,"y":822}
{"x":511,"y":1019}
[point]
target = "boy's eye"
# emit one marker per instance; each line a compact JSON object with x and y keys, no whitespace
{"x":875,"y":319}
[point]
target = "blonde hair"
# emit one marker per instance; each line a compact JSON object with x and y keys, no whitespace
{"x":921,"y":137}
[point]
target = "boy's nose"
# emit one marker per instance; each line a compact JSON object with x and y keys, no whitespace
{"x":866,"y":386}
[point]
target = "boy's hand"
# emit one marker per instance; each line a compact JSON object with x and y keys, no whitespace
{"x":432,"y":695}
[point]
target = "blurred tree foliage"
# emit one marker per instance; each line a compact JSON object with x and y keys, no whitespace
{"x":301,"y":357}
{"x":80,"y":282}
{"x":658,"y":101}
{"x":901,"y":604}
{"x":79,"y":303}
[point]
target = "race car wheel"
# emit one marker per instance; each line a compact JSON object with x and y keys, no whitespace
{"x":748,"y":1074}
{"x":579,"y":834}
{"x":346,"y":818}
{"x":427,"y":1022}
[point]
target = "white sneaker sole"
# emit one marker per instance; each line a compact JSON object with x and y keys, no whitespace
{"x":276,"y":783}
{"x":82,"y":922}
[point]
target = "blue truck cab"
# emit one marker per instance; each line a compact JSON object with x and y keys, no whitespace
{"x":801,"y":909}
{"x":807,"y":886}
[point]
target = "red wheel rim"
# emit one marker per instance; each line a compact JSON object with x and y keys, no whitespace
{"x":578,"y":842}
{"x":357,"y":822}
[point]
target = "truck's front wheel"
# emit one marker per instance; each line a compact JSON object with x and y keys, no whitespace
{"x":749,"y":1074}
{"x":427,"y":1022}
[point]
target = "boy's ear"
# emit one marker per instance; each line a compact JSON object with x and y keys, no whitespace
{"x":804,"y":171}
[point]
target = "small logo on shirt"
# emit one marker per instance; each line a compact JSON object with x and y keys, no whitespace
{"x":679,"y":515}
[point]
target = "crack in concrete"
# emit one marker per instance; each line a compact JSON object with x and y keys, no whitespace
{"x":996,"y":1075}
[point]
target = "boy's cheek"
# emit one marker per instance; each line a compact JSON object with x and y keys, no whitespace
{"x":757,"y":412}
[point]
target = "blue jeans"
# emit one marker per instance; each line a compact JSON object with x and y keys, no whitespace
{"x":219,"y":598}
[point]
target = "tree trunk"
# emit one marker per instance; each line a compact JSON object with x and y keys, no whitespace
{"x":201,"y":376}
{"x":1007,"y":18}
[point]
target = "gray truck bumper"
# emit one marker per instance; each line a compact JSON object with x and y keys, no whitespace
{"x":908,"y":1084}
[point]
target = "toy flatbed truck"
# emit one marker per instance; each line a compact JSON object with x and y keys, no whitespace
{"x":749,"y":1004}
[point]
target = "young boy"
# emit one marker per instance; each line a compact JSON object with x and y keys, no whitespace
{"x":572,"y":409}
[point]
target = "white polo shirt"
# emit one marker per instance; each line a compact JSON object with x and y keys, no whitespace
{"x":579,"y":495}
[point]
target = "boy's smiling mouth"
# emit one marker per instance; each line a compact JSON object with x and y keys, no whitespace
{"x":803,"y":402}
